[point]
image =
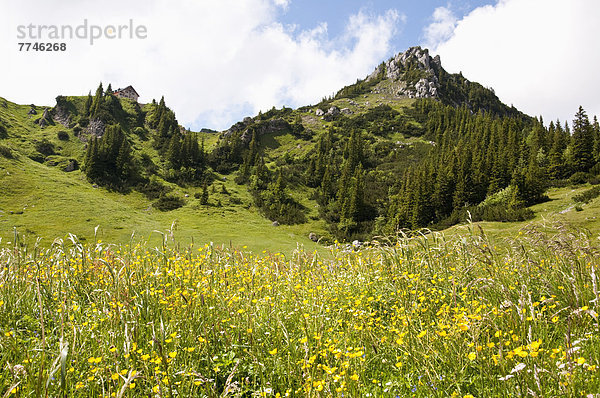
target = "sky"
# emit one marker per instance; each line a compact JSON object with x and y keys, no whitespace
{"x":217,"y":61}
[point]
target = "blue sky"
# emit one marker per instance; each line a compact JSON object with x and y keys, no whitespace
{"x":216,"y":61}
{"x":309,"y":13}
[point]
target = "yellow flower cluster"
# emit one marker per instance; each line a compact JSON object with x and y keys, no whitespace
{"x":424,"y":317}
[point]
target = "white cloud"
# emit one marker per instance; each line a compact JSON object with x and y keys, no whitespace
{"x":442,"y":27}
{"x":212,"y":60}
{"x":282,"y":3}
{"x":540,"y":55}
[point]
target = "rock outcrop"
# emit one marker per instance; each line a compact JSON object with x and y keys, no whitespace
{"x":426,"y":89}
{"x":96,"y":128}
{"x":249,"y":126}
{"x":61,"y":114}
{"x":71,"y":166}
{"x":274,"y":126}
{"x":332,"y":113}
{"x":45,"y":120}
{"x":238,"y":127}
{"x":405,"y":66}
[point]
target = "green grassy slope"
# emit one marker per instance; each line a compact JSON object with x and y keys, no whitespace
{"x":46,"y":202}
{"x":560,"y":209}
{"x":41,"y":200}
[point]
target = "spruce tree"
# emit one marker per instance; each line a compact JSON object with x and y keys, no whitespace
{"x":519,"y":191}
{"x":443,"y":190}
{"x":582,"y":154}
{"x":596,"y":127}
{"x":204,"y":196}
{"x":403,"y":202}
{"x":556,"y":160}
{"x":327,"y":186}
{"x":162,"y":109}
{"x":202,"y":155}
{"x":463,"y":192}
{"x":356,"y":204}
{"x":174,"y":153}
{"x":537,"y":138}
{"x":97,"y":102}
{"x":535,"y":182}
{"x":344,"y":182}
{"x":92,"y":161}
{"x":88,"y":105}
{"x":164,"y":126}
{"x":310,"y":174}
{"x":123,"y":162}
{"x":278,"y":189}
{"x":250,"y":159}
{"x":187,"y":151}
{"x":259,"y":181}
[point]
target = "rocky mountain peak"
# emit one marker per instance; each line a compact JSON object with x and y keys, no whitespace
{"x":416,"y":68}
{"x":413,"y":57}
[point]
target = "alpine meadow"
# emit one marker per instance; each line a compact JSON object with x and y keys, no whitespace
{"x":408,"y":236}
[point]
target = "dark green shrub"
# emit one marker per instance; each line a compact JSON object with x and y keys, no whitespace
{"x":37,"y":157}
{"x":6,"y":152}
{"x":63,"y":136}
{"x":153,"y":189}
{"x":141,"y":132}
{"x":147,"y":163}
{"x":579,"y":178}
{"x":587,"y":196}
{"x":45,"y":147}
{"x":503,"y":214}
{"x":493,"y":212}
{"x":560,"y":183}
{"x":168,"y":203}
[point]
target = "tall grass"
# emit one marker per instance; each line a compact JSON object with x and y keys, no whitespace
{"x":421,"y":316}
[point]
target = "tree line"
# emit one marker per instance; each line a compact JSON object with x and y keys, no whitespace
{"x":490,"y":166}
{"x":483,"y":164}
{"x":109,"y":160}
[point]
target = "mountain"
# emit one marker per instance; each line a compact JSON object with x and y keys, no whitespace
{"x":415,"y":74}
{"x":407,"y":147}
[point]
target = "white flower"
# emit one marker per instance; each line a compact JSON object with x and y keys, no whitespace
{"x":519,"y":367}
{"x":505,"y":377}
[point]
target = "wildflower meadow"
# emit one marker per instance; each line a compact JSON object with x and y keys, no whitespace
{"x":424,"y":316}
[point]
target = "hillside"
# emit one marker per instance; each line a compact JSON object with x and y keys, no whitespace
{"x":41,"y":198}
{"x":412,"y":146}
{"x":409,"y":146}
